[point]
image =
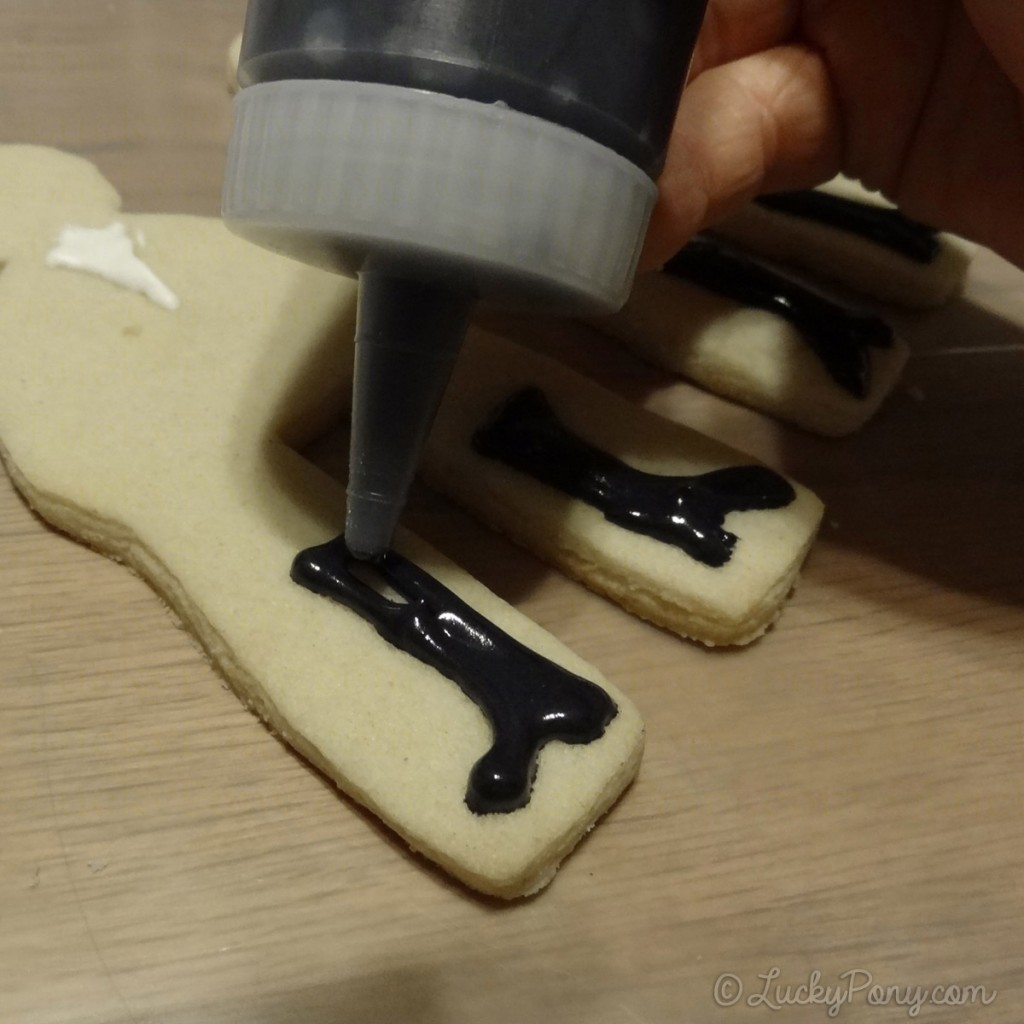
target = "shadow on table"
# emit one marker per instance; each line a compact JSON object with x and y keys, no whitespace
{"x":411,"y":994}
{"x":934,"y":487}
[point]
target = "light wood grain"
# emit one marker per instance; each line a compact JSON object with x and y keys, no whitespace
{"x":847,"y":794}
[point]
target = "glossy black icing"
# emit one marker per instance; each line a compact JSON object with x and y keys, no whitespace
{"x":840,"y":337}
{"x":687,"y":512}
{"x":880,"y":224}
{"x":527,"y":699}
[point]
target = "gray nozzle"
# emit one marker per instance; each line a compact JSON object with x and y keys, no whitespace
{"x":407,"y":339}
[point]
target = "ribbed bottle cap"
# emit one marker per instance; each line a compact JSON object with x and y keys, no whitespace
{"x":340,"y":173}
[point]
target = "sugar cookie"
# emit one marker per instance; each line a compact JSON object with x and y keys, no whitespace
{"x":168,"y":440}
{"x":716,"y":589}
{"x":739,"y":329}
{"x":844,"y":233}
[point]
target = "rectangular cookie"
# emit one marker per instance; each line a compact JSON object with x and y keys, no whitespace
{"x":794,"y":354}
{"x":904,"y":263}
{"x":729,"y":603}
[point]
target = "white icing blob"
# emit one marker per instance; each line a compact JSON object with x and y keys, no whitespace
{"x":109,"y":253}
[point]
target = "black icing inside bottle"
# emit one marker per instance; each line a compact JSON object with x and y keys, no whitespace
{"x":610,"y":70}
{"x":840,"y":337}
{"x":879,"y":224}
{"x":527,"y":699}
{"x":687,"y":512}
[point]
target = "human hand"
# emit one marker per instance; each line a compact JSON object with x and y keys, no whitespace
{"x":921,"y":99}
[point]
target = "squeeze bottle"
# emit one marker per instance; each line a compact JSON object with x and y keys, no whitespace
{"x":447,"y":151}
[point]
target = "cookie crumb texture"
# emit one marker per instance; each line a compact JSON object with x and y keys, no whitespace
{"x":170,"y":440}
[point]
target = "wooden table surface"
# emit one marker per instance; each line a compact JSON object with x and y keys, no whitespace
{"x":844,"y":797}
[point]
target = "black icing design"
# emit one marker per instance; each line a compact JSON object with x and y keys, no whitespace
{"x":840,"y":337}
{"x":880,"y":224}
{"x":527,"y":699}
{"x":685,"y":511}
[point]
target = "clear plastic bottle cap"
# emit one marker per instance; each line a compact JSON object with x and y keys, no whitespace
{"x":356,"y":175}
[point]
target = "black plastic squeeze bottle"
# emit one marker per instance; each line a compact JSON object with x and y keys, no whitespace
{"x":446,"y":151}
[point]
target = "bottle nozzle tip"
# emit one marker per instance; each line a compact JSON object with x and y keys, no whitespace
{"x":369,"y":526}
